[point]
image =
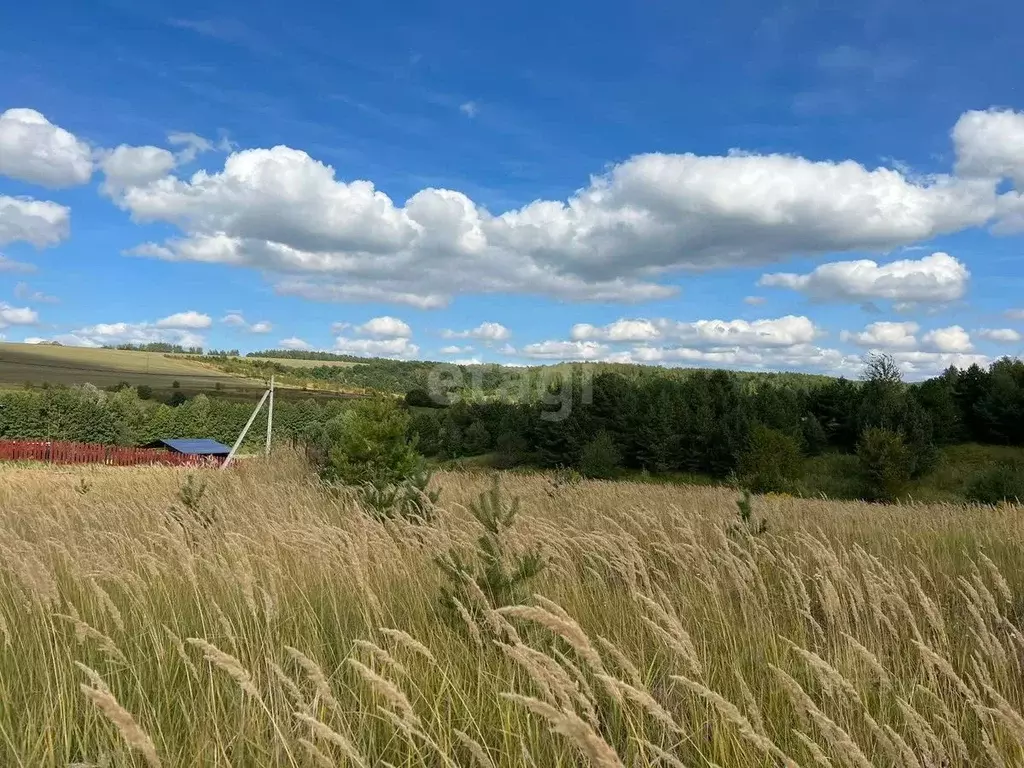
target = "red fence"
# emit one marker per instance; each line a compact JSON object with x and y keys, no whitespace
{"x":92,"y":453}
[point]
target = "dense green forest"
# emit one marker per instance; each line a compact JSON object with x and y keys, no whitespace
{"x":90,"y":415}
{"x":300,"y":354}
{"x":721,"y":425}
{"x":158,"y":346}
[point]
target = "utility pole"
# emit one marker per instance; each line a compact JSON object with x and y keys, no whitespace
{"x":270,"y":415}
{"x":248,"y":424}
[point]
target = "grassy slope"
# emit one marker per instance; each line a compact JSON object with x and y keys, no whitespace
{"x":833,"y":474}
{"x":874,"y":591}
{"x":39,"y":364}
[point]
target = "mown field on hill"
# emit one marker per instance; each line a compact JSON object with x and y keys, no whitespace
{"x":38,"y":364}
{"x":256,"y":620}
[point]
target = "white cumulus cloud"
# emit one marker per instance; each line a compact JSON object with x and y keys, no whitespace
{"x":35,"y":150}
{"x":884,"y":335}
{"x":280,"y":211}
{"x":17,"y":315}
{"x":190,"y":319}
{"x":990,"y":144}
{"x":802,"y":357}
{"x":294,"y":342}
{"x":103,"y":334}
{"x":486,"y":331}
{"x":782,"y":331}
{"x":894,"y":337}
{"x":39,"y":222}
{"x":397,"y":348}
{"x":565,"y":350}
{"x":385,"y":326}
{"x":620,"y":330}
{"x":127,"y":166}
{"x":131,"y":166}
{"x":456,"y":350}
{"x":922,"y":364}
{"x":953,"y":339}
{"x":1001,"y":335}
{"x":388,"y":337}
{"x":935,"y":278}
{"x":237,"y":320}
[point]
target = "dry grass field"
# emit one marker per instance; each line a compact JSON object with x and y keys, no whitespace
{"x":295,"y":631}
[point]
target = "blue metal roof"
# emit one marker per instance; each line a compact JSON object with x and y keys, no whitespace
{"x":196,"y":446}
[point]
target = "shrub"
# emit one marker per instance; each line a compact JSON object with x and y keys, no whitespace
{"x":747,"y":525}
{"x":425,"y":429}
{"x":477,"y":439}
{"x":600,"y":458}
{"x":420,"y":398}
{"x":370,"y":443}
{"x":886,"y":464}
{"x":503,"y":577}
{"x":368,"y":448}
{"x":512,"y":449}
{"x":450,"y":440}
{"x":193,"y":516}
{"x":772,"y":461}
{"x":814,"y":435}
{"x":410,"y":499}
{"x":1002,"y":482}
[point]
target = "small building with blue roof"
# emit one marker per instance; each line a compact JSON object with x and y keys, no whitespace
{"x":191,"y":446}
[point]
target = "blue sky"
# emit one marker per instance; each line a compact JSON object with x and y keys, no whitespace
{"x":523,"y":183}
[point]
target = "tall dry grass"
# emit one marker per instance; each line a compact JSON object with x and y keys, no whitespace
{"x":297,"y":632}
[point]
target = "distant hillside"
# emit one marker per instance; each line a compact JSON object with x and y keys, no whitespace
{"x":323,"y":369}
{"x":315,"y":373}
{"x":299,"y":354}
{"x":53,"y":364}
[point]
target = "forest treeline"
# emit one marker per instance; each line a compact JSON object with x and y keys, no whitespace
{"x":718,"y":424}
{"x":161,"y":346}
{"x":478,"y":382}
{"x":90,"y":415}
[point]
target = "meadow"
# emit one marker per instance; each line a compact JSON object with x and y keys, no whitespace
{"x":148,"y":619}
